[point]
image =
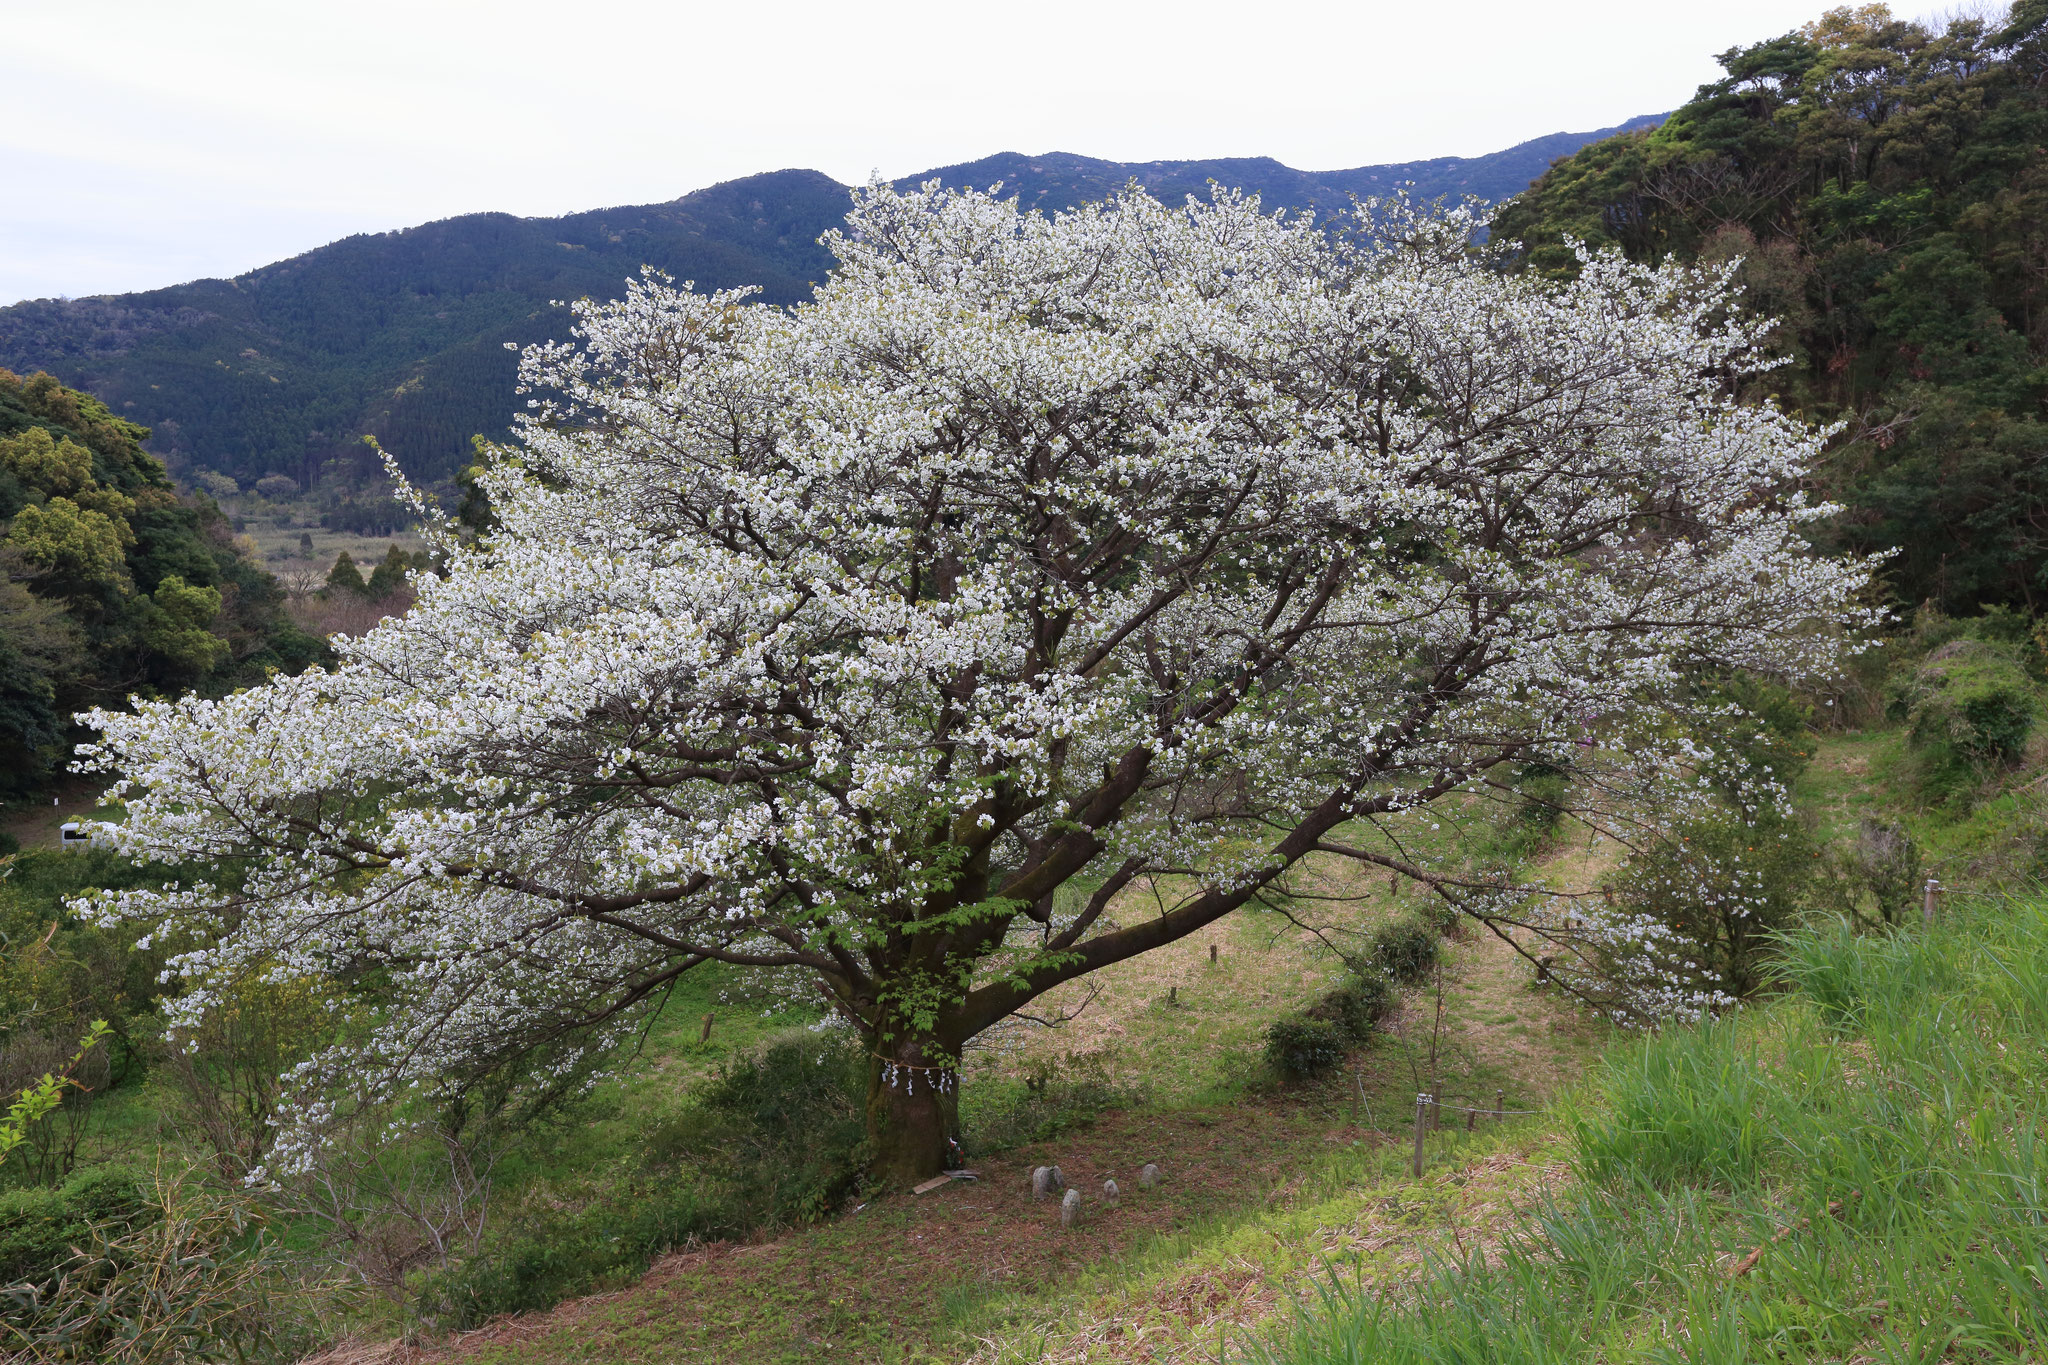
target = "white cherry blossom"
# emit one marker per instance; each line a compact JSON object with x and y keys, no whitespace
{"x":1142,"y":541}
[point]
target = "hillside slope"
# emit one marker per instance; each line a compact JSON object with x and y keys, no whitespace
{"x":402,"y":334}
{"x":1884,"y":184}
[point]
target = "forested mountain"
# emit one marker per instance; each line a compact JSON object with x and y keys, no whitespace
{"x":402,"y":334}
{"x":1060,"y":180}
{"x":1886,"y":186}
{"x":110,"y":582}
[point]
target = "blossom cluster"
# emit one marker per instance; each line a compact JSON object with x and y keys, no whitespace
{"x":1031,"y":553}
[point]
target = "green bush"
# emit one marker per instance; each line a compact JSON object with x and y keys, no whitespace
{"x":558,"y":1254}
{"x":1543,"y":789}
{"x":772,"y":1139}
{"x":1307,"y":1045}
{"x":1404,"y":950}
{"x":39,"y":1227}
{"x":1725,"y":887}
{"x":1353,"y":1006}
{"x":1302,"y":1048}
{"x":1968,"y":707}
{"x":80,"y":971}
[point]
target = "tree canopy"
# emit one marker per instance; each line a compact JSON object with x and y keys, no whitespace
{"x":888,"y":640}
{"x":110,"y":583}
{"x":1885,"y":184}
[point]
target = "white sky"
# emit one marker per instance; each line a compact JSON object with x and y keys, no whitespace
{"x":147,"y":143}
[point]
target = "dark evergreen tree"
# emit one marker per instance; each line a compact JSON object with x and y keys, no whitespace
{"x":1885,"y":185}
{"x":110,"y":583}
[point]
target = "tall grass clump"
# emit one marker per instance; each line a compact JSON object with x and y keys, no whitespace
{"x":1857,"y":1170}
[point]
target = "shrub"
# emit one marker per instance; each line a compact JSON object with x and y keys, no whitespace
{"x":1315,"y":1040}
{"x":1878,"y":881}
{"x":1354,"y":1005}
{"x":1302,"y":1048}
{"x":223,"y":1079}
{"x":1542,"y":793}
{"x":1968,"y":707}
{"x":56,"y":1066}
{"x":772,"y":1139}
{"x":780,"y":1130}
{"x":162,"y":1275}
{"x":1724,"y":887}
{"x":1405,"y":949}
{"x":56,"y":968}
{"x":557,"y":1254}
{"x":39,"y":1227}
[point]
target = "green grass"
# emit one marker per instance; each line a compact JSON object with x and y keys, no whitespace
{"x":1856,"y":1172}
{"x":1868,"y":774}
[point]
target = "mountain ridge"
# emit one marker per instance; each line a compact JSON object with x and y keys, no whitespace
{"x":402,"y":334}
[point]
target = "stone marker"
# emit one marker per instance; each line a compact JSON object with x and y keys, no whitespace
{"x":1148,"y":1177}
{"x":937,"y":1182}
{"x":1070,"y":1208}
{"x":1041,"y":1182}
{"x":1110,"y":1192}
{"x":1059,"y":1182}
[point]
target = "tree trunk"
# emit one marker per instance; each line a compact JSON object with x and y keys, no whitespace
{"x":910,"y":1111}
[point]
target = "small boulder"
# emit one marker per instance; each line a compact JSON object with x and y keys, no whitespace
{"x":1042,"y":1182}
{"x":1059,"y":1182}
{"x":1070,"y":1209}
{"x":1110,"y":1192}
{"x":1149,"y":1176}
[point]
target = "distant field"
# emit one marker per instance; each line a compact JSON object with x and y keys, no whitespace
{"x":280,"y":550}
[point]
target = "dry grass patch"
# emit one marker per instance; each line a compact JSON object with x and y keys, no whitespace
{"x":1384,"y":1235}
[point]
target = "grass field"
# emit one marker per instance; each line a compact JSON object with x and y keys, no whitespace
{"x":1855,"y":1172}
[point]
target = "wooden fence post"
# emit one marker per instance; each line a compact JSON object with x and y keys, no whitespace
{"x":705,"y":1036}
{"x":1499,"y":1102}
{"x":1421,"y":1126}
{"x":1927,"y":904}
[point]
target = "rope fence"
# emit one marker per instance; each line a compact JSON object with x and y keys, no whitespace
{"x":1467,"y":1109}
{"x":1425,"y":1103}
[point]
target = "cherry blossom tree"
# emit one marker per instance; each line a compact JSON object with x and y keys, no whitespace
{"x":1144,"y":547}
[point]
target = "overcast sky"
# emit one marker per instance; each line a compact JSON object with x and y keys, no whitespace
{"x":143,"y":144}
